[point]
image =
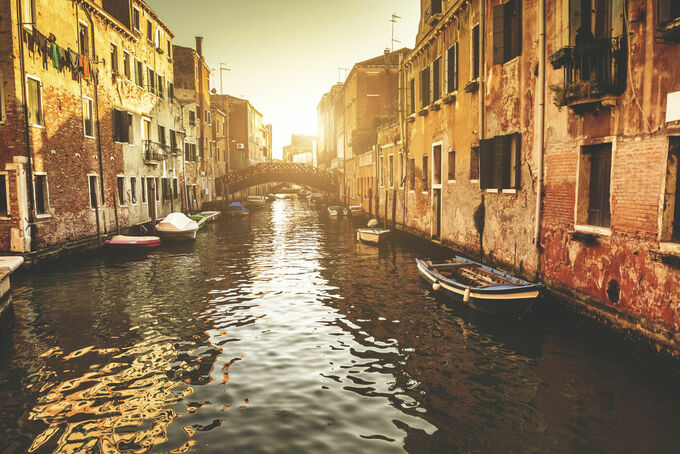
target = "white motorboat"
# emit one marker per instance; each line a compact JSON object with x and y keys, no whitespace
{"x":254,"y":201}
{"x":372,"y":236}
{"x":177,"y":226}
{"x":337,"y":211}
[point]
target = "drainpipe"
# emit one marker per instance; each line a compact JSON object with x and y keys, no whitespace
{"x":99,"y":140}
{"x":541,"y":119}
{"x":482,"y":70}
{"x":29,"y":158}
{"x":402,"y":133}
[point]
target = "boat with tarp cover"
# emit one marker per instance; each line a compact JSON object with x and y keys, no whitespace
{"x":481,"y":287}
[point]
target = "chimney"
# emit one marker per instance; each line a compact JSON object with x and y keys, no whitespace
{"x":387,"y":50}
{"x":199,"y":46}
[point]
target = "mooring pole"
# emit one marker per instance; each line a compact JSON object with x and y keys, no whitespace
{"x":152,"y":204}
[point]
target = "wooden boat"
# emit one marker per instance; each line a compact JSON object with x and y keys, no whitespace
{"x":200,"y":220}
{"x":356,"y":209}
{"x":315,"y":199}
{"x":481,"y":287}
{"x":176,"y":226}
{"x":337,"y":211}
{"x":132,"y":243}
{"x":236,"y":209}
{"x":254,"y":201}
{"x":210,"y":216}
{"x":373,"y":236}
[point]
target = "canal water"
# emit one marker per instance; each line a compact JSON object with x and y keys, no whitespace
{"x":277,"y":333}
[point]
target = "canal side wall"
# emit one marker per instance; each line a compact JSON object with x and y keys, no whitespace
{"x":8,"y":265}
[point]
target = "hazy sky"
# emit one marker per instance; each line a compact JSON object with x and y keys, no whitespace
{"x":285,"y":54}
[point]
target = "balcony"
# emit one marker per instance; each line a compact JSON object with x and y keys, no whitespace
{"x":593,"y":72}
{"x":433,"y":12}
{"x":154,"y":152}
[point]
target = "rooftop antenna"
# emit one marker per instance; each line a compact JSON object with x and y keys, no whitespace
{"x":340,"y":75}
{"x":394,"y":21}
{"x":223,"y":67}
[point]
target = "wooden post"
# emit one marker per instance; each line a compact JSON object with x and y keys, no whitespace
{"x":152,"y":204}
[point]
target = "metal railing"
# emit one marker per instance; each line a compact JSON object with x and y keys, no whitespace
{"x":154,"y":151}
{"x":593,"y":69}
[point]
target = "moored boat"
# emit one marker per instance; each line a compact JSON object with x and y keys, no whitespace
{"x":200,"y":220}
{"x":337,"y":211}
{"x":132,"y":243}
{"x":254,"y":201}
{"x":236,"y":209}
{"x":176,"y":226}
{"x":210,"y":216}
{"x":480,"y":286}
{"x":373,"y":236}
{"x":315,"y":199}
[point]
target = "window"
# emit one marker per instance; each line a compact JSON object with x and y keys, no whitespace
{"x":426,"y":173}
{"x":2,"y":99}
{"x":381,"y":171}
{"x":390,"y":170}
{"x":175,"y":188}
{"x":401,"y":170}
{"x":135,"y":19}
{"x":372,"y":84}
{"x":500,"y":162}
{"x":210,"y":148}
{"x":412,"y":97}
{"x":207,"y":117}
{"x":171,"y":91}
{"x":120,"y":186}
{"x":167,"y":189}
{"x":114,"y":59}
{"x":173,"y":140}
{"x":35,"y":111}
{"x":149,"y":31}
{"x":668,"y":11}
{"x":92,"y":184}
{"x":591,"y":20}
{"x":192,"y":118}
{"x":144,"y":188}
{"x":161,"y":85}
{"x":158,"y":192}
{"x":122,"y":126}
{"x":474,"y":164}
{"x":435,"y":6}
{"x":412,"y":173}
{"x":84,"y":39}
{"x":151,"y":77}
{"x":474,"y":70}
{"x":169,"y":50}
{"x":88,"y":122}
{"x":126,"y":65}
{"x":41,"y":194}
{"x":425,"y":87}
{"x":158,"y":38}
{"x":28,"y":12}
{"x":452,"y":165}
{"x":452,"y":69}
{"x":161,"y":135}
{"x":671,"y":211}
{"x":437,"y":164}
{"x":4,"y":196}
{"x":437,"y":79}
{"x":507,"y":31}
{"x":139,"y":73}
{"x":594,"y":181}
{"x":133,"y":190}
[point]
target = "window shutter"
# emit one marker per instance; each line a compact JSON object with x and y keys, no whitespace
{"x":664,"y":11}
{"x":130,"y":136}
{"x":498,"y":34}
{"x":432,"y":70}
{"x":485,"y":163}
{"x":504,"y":152}
{"x":518,"y":159}
{"x":445,"y":71}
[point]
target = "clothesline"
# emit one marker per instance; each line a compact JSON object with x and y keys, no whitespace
{"x":60,"y":57}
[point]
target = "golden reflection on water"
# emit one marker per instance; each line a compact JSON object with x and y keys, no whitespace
{"x":122,"y":405}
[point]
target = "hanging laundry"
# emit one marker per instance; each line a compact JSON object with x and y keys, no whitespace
{"x":62,"y":58}
{"x":55,"y":55}
{"x":85,"y":66}
{"x":73,"y":60}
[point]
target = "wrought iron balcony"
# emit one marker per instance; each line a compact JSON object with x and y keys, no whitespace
{"x":592,"y":70}
{"x":154,"y":151}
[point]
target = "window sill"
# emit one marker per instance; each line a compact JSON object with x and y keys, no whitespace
{"x":424,"y":192}
{"x":668,"y":254}
{"x":594,"y":230}
{"x":451,"y":181}
{"x":450,"y":98}
{"x":89,"y":137}
{"x":509,"y":191}
{"x":670,"y":248}
{"x":474,"y":181}
{"x":38,"y":126}
{"x":43,"y":216}
{"x":491,"y":191}
{"x":6,"y":218}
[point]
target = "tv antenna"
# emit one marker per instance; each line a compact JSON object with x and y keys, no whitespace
{"x":340,"y":74}
{"x":223,"y":67}
{"x":394,"y":21}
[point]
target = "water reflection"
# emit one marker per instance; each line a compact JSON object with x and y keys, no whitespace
{"x":279,"y":333}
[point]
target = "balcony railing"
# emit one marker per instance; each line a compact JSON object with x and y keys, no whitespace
{"x":592,"y":70}
{"x":154,"y":151}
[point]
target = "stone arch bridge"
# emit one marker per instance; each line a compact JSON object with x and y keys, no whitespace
{"x":278,"y":172}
